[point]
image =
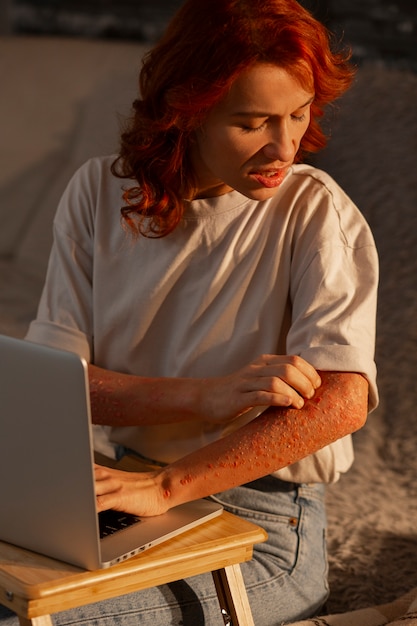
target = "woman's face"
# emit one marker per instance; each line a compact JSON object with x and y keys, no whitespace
{"x":250,"y":139}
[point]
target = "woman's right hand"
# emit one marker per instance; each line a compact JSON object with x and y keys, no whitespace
{"x":270,"y":380}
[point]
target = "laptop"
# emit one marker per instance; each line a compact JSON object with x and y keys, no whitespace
{"x":47,"y":493}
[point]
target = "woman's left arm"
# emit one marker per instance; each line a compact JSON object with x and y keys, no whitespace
{"x":275,"y":439}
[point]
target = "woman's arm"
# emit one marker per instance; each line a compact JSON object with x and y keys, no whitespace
{"x":275,"y":439}
{"x":125,"y":400}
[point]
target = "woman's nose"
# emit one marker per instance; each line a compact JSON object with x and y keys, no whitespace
{"x":281,"y":145}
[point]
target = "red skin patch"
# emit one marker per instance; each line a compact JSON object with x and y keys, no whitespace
{"x":275,"y":439}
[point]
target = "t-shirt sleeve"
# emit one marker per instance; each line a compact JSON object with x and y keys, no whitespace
{"x":65,"y":319}
{"x":334,"y":291}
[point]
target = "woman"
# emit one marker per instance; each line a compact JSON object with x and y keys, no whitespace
{"x":236,"y":279}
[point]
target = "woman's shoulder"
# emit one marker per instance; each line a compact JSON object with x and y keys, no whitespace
{"x":312,"y":176}
{"x":318,"y":191}
{"x":93,"y":182}
{"x":96,"y":169}
{"x":91,"y":194}
{"x":320,"y":205}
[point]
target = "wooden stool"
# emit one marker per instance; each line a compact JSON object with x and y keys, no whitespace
{"x":35,"y":586}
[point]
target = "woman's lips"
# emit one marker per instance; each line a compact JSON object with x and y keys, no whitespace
{"x":269,"y":178}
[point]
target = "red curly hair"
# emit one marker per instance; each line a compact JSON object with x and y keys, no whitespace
{"x":206,"y":46}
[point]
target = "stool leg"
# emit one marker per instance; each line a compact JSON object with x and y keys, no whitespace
{"x":232,"y":595}
{"x":44,"y":620}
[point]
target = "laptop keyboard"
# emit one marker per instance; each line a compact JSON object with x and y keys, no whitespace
{"x":112,"y":521}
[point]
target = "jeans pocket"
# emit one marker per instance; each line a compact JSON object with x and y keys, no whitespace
{"x":278,"y":514}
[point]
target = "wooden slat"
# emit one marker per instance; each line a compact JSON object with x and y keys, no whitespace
{"x":232,"y":595}
{"x":45,"y":620}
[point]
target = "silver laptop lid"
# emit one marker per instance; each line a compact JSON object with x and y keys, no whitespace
{"x":46,"y":471}
{"x":46,"y":464}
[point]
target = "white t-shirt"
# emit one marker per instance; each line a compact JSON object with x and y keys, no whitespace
{"x":295,"y":274}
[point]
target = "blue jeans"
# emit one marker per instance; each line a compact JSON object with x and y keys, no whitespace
{"x":286,"y":580}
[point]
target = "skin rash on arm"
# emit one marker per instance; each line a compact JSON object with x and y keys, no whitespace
{"x":275,"y":439}
{"x":117,"y":399}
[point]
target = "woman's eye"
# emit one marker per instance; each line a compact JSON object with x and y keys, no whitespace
{"x":299,"y":118}
{"x":253,"y":129}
